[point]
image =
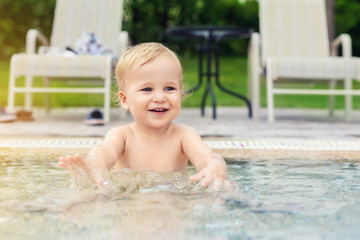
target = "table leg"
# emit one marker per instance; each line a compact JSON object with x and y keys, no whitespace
{"x":203,"y":100}
{"x":208,"y":90}
{"x":209,"y":74}
{"x":213,"y":101}
{"x":200,"y":65}
{"x":221,"y":87}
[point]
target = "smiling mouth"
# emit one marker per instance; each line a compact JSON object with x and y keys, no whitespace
{"x":159,"y":110}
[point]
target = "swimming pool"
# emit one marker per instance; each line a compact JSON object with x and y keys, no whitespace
{"x":276,"y":198}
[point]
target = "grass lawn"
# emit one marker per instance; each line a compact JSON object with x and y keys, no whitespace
{"x":233,"y":75}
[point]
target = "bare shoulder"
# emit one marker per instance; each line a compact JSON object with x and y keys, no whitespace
{"x":119,"y":133}
{"x":119,"y":129}
{"x":186,"y":131}
{"x":192,"y":145}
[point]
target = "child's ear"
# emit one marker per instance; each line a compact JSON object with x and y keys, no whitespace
{"x":123,"y":102}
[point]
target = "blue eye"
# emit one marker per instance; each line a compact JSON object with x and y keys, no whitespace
{"x":169,"y":89}
{"x":146,"y":89}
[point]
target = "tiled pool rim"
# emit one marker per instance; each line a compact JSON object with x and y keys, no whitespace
{"x":230,"y":148}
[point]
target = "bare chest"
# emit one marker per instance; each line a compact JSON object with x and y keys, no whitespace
{"x":160,"y":155}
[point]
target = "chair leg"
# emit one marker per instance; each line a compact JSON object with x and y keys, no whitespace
{"x":107,"y":103}
{"x":11,"y":94}
{"x":270,"y":94}
{"x":255,"y":94}
{"x":28,"y":96}
{"x":332,"y":85}
{"x":254,"y":71}
{"x":47,"y":95}
{"x":107,"y":93}
{"x":348,"y":99}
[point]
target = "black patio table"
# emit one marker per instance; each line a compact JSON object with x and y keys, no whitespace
{"x":209,"y":38}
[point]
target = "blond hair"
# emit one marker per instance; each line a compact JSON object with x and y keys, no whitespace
{"x":137,"y":56}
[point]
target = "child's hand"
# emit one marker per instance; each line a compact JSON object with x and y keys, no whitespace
{"x":77,"y":167}
{"x":213,"y":173}
{"x":218,"y":182}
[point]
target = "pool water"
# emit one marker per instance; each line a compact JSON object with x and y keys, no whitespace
{"x":275,"y":199}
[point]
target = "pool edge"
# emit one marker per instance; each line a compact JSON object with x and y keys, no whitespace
{"x":230,"y":148}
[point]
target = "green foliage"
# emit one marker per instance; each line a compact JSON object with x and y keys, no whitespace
{"x":347,"y":20}
{"x":146,"y":20}
{"x":18,"y":16}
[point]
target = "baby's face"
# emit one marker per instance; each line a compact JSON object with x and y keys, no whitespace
{"x":153,"y":92}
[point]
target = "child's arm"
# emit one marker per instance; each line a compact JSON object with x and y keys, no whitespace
{"x":99,"y":160}
{"x":211,"y":166}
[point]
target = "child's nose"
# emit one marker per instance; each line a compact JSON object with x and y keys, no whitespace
{"x":159,"y":97}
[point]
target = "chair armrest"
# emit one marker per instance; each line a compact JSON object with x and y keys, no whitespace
{"x":124,"y":42}
{"x":345,"y":41}
{"x":31,"y":36}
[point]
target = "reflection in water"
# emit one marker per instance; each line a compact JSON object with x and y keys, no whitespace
{"x":276,"y":199}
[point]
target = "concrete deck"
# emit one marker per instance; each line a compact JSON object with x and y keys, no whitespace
{"x":231,"y":123}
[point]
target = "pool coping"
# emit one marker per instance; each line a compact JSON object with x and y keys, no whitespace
{"x":229,"y":148}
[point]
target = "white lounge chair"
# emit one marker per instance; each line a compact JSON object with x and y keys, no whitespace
{"x":71,"y":19}
{"x":293,"y":44}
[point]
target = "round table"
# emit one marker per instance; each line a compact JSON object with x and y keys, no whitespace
{"x":209,"y":38}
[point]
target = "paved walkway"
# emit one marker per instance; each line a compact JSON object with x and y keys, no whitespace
{"x":231,"y":123}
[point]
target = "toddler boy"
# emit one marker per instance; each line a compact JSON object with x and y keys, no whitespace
{"x":149,"y":77}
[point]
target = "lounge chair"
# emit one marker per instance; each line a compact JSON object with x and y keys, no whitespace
{"x":293,"y":45}
{"x":51,"y":60}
